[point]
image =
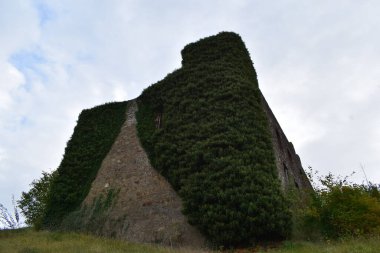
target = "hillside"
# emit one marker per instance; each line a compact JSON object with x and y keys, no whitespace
{"x":213,"y":167}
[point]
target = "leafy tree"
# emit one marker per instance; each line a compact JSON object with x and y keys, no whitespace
{"x":33,"y":203}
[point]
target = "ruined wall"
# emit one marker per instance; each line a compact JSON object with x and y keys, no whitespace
{"x":288,"y":162}
{"x":130,"y":200}
{"x":210,"y":133}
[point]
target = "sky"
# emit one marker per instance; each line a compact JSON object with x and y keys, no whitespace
{"x":318,"y":65}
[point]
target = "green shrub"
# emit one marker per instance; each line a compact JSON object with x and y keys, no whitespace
{"x":33,"y":203}
{"x":341,"y":209}
{"x":93,"y":136}
{"x":204,"y":129}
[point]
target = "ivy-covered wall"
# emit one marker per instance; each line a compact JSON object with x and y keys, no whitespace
{"x":93,"y":136}
{"x":204,"y":129}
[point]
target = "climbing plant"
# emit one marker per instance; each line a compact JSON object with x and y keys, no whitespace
{"x":93,"y":136}
{"x":213,"y":143}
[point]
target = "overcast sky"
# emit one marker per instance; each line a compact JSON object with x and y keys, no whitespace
{"x":318,"y":65}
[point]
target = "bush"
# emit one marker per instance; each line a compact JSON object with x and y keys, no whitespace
{"x":341,"y":209}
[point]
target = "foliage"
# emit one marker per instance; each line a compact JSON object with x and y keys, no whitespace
{"x":92,"y":218}
{"x":8,"y":219}
{"x":213,"y":144}
{"x":341,"y":208}
{"x":33,"y":202}
{"x":93,"y":136}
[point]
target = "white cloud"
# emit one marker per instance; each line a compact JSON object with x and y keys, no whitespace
{"x":19,"y":29}
{"x":10,"y":80}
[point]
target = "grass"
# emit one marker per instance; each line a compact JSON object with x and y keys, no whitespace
{"x":30,"y":241}
{"x":362,"y":245}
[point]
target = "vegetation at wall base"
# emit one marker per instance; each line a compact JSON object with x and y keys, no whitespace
{"x":342,"y":209}
{"x":93,"y":136}
{"x":91,"y":218}
{"x":204,"y":129}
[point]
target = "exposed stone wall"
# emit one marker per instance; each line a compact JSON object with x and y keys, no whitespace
{"x":288,"y":162}
{"x":144,"y":207}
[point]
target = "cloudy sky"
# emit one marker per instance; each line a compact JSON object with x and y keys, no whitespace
{"x":318,"y":64}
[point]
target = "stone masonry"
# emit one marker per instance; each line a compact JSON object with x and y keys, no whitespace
{"x":288,"y":163}
{"x":146,"y":208}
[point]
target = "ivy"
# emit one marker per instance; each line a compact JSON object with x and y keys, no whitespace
{"x":214,"y":144}
{"x":93,"y":136}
